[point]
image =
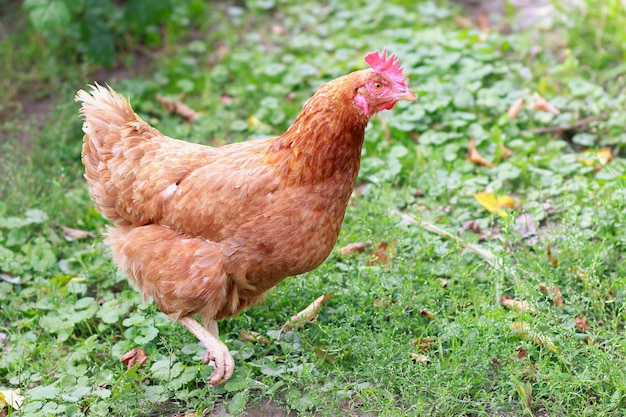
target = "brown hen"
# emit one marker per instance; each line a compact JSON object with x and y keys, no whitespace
{"x":207,"y":231}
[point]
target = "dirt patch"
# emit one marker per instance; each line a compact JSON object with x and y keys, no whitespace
{"x":34,"y":111}
{"x":267,"y":408}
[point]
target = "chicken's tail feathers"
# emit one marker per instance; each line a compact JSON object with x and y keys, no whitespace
{"x":109,"y":122}
{"x":104,"y":111}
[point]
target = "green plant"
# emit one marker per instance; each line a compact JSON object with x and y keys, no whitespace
{"x":96,"y":29}
{"x":418,"y":323}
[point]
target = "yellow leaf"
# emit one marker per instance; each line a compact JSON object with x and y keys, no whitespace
{"x":525,"y":393}
{"x":596,"y":159}
{"x":588,"y":162}
{"x":523,"y":330}
{"x":12,"y":398}
{"x":253,"y":121}
{"x":495,"y":204}
{"x":604,"y":155}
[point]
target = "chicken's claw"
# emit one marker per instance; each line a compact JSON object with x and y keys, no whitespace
{"x":217,"y":353}
{"x":222,"y":362}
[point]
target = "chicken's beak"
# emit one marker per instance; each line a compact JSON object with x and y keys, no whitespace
{"x":406,"y":95}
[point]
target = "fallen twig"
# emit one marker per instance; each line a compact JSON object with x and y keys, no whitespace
{"x":489,"y":257}
{"x":563,"y":128}
{"x":309,"y":314}
{"x":178,"y":108}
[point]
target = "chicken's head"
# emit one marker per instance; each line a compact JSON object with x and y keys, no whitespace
{"x":385,"y":84}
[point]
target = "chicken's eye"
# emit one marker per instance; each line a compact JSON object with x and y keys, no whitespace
{"x":377,"y":86}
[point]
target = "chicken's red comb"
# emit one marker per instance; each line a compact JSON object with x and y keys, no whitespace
{"x":388,"y":66}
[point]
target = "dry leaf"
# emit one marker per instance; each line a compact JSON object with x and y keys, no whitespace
{"x":443,"y":282}
{"x":11,"y":398}
{"x":73,"y":234}
{"x":427,"y":313}
{"x":278,"y":29}
{"x":424,"y":343}
{"x":556,"y":298}
{"x":331,"y":355}
{"x":597,"y":159}
{"x":582,"y":275}
{"x":178,"y":108}
{"x":604,"y":155}
{"x":472,"y":226}
{"x":356,"y":247}
{"x":382,"y":302}
{"x":381,"y":254}
{"x":517,"y":305}
{"x":474,"y":157}
{"x":227,"y":100}
{"x":217,"y":56}
{"x":516,"y":108}
{"x":254,"y":337}
{"x":523,"y":330}
{"x":586,"y":161}
{"x":581,"y":323}
{"x":504,"y":152}
{"x":308,"y":315}
{"x":482,"y":21}
{"x":462,"y":22}
{"x":10,"y":279}
{"x":525,"y":225}
{"x":133,"y":356}
{"x":495,"y":204}
{"x":521,"y":353}
{"x":525,"y":392}
{"x":419,"y":358}
{"x":541,"y":104}
{"x":551,"y":258}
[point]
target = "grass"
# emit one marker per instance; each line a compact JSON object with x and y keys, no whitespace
{"x":417,"y":325}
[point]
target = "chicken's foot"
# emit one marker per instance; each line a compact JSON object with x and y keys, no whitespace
{"x":216,"y":351}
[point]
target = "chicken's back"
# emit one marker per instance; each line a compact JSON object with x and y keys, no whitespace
{"x":128,"y":164}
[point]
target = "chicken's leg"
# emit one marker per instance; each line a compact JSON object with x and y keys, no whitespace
{"x":215,"y":349}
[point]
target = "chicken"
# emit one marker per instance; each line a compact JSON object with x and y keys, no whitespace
{"x":209,"y":230}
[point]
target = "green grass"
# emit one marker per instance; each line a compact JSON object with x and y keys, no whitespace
{"x":67,"y":315}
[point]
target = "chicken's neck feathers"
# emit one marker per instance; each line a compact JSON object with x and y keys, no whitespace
{"x":325,"y":139}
